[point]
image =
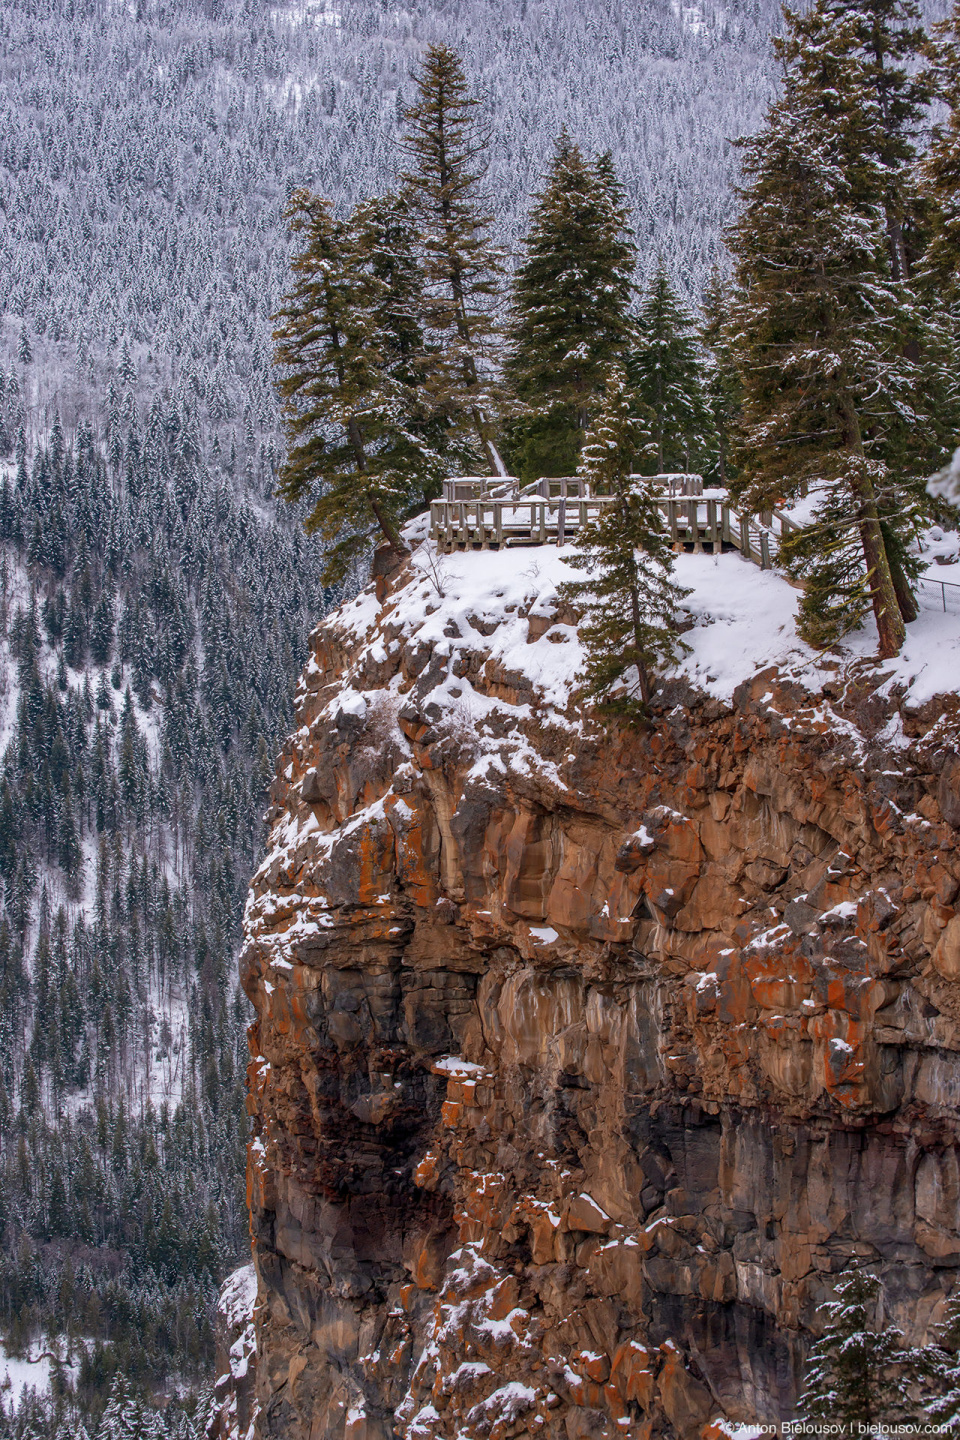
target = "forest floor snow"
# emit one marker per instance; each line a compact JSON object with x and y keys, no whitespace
{"x":18,"y":1374}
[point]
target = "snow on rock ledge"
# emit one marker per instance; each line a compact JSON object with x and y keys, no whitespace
{"x":576,"y":1053}
{"x":235,"y":1410}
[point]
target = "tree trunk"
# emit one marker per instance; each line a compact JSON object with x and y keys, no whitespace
{"x":635,"y":618}
{"x":389,"y":529}
{"x":883,"y":597}
{"x":392,"y":535}
{"x":905,"y":596}
{"x":886,"y":610}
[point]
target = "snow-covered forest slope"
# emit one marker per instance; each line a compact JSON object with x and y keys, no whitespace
{"x":146,"y":151}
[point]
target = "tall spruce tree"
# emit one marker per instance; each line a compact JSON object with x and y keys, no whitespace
{"x":570,"y":310}
{"x":886,"y":41}
{"x":938,"y":1370}
{"x":446,"y":148}
{"x":629,"y":602}
{"x":823,"y":335}
{"x":666,"y":371}
{"x":359,"y":444}
{"x":858,"y":1374}
{"x":940,"y":173}
{"x":386,"y":243}
{"x":722,"y":385}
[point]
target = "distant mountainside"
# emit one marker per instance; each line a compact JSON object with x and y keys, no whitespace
{"x":146,"y":151}
{"x":152,"y":617}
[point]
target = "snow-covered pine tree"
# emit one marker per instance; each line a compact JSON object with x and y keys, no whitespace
{"x":122,"y":1417}
{"x":446,"y":145}
{"x":940,"y":171}
{"x":858,"y":1374}
{"x":666,"y":371}
{"x":722,"y":383}
{"x":570,"y":310}
{"x":352,"y":423}
{"x":938,"y":1371}
{"x":822,"y":336}
{"x":386,"y":244}
{"x":629,"y":602}
{"x":889,"y":39}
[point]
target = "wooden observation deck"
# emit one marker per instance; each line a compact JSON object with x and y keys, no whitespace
{"x":482,"y":513}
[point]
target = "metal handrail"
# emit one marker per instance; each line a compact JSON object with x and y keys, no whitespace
{"x":945,"y":585}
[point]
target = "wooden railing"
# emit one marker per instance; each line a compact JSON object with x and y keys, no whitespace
{"x":496,"y":521}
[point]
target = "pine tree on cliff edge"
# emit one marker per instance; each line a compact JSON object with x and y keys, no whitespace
{"x":570,"y":305}
{"x":446,"y":148}
{"x":666,"y":368}
{"x":822,"y":335}
{"x":629,"y":602}
{"x":360,"y":446}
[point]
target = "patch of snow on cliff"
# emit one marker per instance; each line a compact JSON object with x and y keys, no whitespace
{"x":238,"y":1295}
{"x":744,"y":621}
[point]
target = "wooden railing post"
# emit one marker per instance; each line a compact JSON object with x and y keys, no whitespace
{"x":693,"y":520}
{"x":712,"y":522}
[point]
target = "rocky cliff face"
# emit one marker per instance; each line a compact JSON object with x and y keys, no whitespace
{"x":583,"y":1064}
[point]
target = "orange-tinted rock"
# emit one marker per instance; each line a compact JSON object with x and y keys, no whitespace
{"x":577,"y":1081}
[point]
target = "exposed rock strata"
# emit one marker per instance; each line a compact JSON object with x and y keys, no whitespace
{"x":577,"y":1081}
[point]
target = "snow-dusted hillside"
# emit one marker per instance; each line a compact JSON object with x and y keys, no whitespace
{"x":147,"y":152}
{"x":152,"y":620}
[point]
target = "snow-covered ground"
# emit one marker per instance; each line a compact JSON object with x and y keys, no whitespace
{"x":19,"y":1375}
{"x":502,"y":605}
{"x":744,"y":622}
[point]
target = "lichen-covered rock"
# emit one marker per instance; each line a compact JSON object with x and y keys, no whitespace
{"x":583,"y":1063}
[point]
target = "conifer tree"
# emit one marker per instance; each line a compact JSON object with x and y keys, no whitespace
{"x":629,"y":602}
{"x":940,"y":172}
{"x":857,"y":1372}
{"x":886,"y":40}
{"x":445,"y":146}
{"x":938,"y":1370}
{"x":722,"y":385}
{"x":666,"y":371}
{"x":386,"y":245}
{"x":570,"y":309}
{"x":355,"y":447}
{"x":822,"y":337}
